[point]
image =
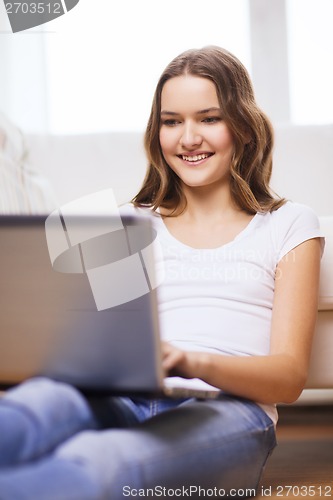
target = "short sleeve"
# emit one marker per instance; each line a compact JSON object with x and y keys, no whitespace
{"x":294,"y":224}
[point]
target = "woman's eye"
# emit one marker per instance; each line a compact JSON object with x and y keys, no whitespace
{"x":212,"y":119}
{"x":170,"y":123}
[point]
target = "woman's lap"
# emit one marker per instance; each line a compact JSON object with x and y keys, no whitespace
{"x":220,"y":443}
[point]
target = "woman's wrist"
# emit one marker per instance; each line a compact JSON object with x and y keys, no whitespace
{"x":200,"y":364}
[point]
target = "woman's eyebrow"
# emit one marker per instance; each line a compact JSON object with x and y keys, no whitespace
{"x":172,"y":113}
{"x":208,"y":110}
{"x":200,"y":112}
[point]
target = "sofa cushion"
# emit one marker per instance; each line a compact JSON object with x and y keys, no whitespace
{"x":302,"y":168}
{"x":78,"y":165}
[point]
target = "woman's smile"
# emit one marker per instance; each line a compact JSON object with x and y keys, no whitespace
{"x":195,"y":158}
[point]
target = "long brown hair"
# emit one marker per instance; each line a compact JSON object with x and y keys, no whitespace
{"x":251,"y":165}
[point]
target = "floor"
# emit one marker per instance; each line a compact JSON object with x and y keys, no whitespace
{"x":302,"y":464}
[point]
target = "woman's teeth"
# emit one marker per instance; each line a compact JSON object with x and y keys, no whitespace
{"x":195,"y":158}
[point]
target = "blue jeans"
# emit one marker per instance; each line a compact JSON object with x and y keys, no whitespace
{"x":57,"y":445}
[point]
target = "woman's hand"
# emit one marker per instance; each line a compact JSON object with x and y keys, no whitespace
{"x":181,"y":363}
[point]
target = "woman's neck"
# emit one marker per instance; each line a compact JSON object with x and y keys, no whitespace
{"x":211,"y":218}
{"x":209,"y":201}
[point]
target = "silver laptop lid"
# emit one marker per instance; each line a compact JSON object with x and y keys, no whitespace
{"x":81,"y":310}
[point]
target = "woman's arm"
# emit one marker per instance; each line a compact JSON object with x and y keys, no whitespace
{"x":281,"y":375}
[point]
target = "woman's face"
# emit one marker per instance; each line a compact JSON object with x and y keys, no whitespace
{"x":195,"y":141}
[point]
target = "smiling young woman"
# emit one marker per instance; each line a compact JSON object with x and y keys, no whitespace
{"x":237,"y":310}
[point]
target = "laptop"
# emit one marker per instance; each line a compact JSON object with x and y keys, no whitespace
{"x":84,"y":309}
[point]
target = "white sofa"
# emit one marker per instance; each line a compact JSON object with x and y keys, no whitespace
{"x":78,"y":165}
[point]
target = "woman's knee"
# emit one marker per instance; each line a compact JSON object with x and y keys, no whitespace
{"x":46,"y":398}
{"x":39,"y":415}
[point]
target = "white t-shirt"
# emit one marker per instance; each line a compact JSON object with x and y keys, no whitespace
{"x":220,"y":300}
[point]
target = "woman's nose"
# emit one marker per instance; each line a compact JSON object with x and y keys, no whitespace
{"x":190,"y":136}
